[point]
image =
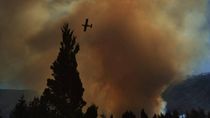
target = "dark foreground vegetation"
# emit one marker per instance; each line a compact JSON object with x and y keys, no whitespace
{"x":63,"y":96}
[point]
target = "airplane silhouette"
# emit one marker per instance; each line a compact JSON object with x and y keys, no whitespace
{"x":86,"y":25}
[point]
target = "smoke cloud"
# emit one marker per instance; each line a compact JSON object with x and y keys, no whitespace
{"x":134,"y":51}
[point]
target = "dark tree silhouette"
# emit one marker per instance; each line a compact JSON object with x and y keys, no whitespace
{"x":20,"y":110}
{"x":143,"y":114}
{"x":197,"y":113}
{"x":1,"y":114}
{"x":64,"y":92}
{"x":175,"y":114}
{"x":39,"y":109}
{"x":168,"y":114}
{"x":128,"y":114}
{"x":91,"y":112}
{"x":155,"y":116}
{"x":161,"y":115}
{"x":103,"y":115}
{"x":208,"y":115}
{"x":34,"y":109}
{"x":201,"y":113}
{"x":187,"y":115}
{"x":111,"y":116}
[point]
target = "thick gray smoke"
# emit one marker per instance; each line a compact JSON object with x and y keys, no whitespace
{"x":135,"y":49}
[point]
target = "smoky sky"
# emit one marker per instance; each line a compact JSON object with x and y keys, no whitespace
{"x":133,"y":52}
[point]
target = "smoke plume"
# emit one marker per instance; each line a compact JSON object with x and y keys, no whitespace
{"x":134,"y":51}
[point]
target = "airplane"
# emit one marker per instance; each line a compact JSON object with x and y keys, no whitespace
{"x":86,"y":25}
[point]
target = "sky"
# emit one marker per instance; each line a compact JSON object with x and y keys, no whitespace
{"x":133,"y":52}
{"x":204,"y":65}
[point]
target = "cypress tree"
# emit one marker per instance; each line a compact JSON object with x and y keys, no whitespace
{"x":64,"y":92}
{"x":143,"y":114}
{"x":20,"y":110}
{"x":91,"y":112}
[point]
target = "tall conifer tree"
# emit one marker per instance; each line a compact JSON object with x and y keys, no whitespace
{"x":64,"y":93}
{"x":20,"y":110}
